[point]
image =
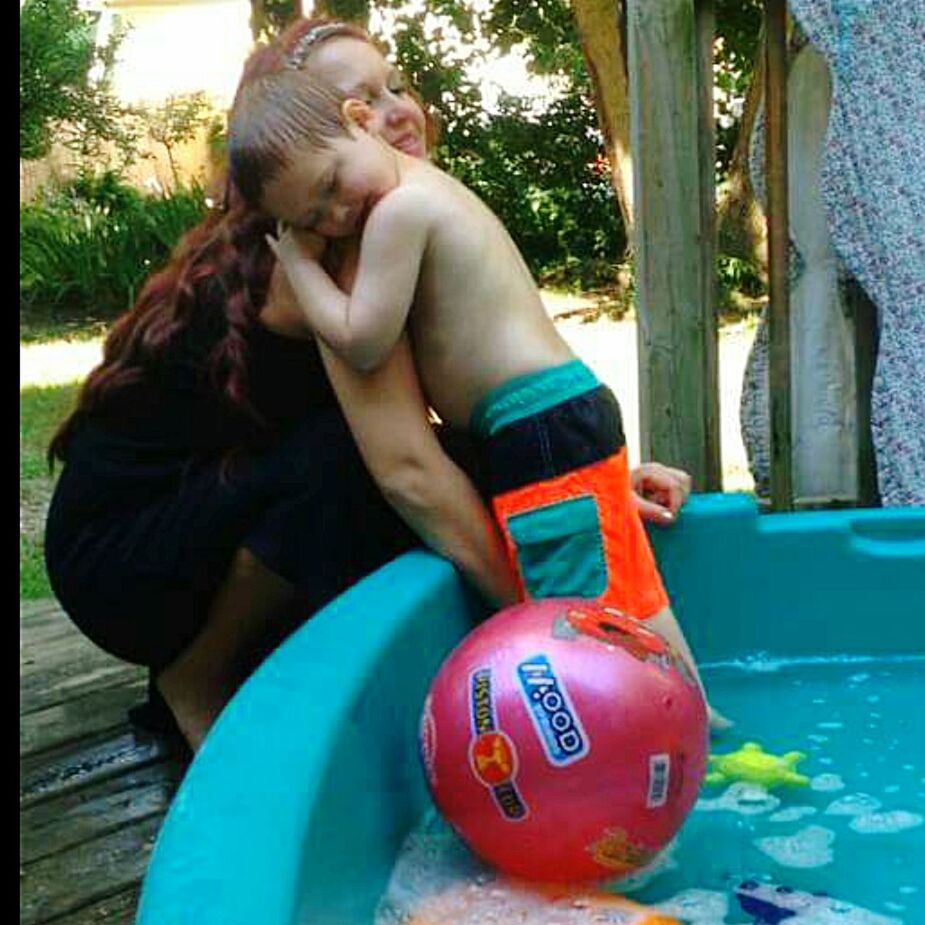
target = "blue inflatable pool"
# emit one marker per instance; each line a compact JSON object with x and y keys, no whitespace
{"x":296,"y":805}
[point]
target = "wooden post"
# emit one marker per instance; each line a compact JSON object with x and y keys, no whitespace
{"x":671,"y":130}
{"x":775,"y":113}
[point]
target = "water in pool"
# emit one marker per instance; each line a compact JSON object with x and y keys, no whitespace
{"x":748,"y":855}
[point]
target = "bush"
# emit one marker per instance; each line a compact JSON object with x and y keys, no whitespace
{"x":87,"y":246}
{"x":548,"y":182}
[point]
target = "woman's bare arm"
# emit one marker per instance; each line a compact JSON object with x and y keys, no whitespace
{"x":388,"y":418}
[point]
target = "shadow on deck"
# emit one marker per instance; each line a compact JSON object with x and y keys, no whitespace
{"x":93,"y":788}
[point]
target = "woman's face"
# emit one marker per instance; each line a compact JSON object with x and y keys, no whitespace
{"x":357,"y":69}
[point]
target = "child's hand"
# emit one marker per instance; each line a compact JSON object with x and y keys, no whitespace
{"x":292,"y":244}
{"x":659,"y":491}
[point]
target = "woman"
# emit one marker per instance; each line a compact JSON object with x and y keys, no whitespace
{"x":218,"y":487}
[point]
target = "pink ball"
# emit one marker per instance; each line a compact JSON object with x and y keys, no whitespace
{"x":564,"y":741}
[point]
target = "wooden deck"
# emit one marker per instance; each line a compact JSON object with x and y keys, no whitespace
{"x":93,"y":789}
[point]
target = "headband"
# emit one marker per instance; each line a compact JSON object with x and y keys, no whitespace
{"x":296,"y":58}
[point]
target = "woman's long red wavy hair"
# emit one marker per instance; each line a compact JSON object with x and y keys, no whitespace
{"x":221,"y":267}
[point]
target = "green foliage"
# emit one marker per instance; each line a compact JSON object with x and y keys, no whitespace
{"x":738,"y":27}
{"x":64,"y":83}
{"x":547,"y":32}
{"x":540,"y":169}
{"x":87,"y":246}
{"x":547,"y":180}
{"x":740,"y":284}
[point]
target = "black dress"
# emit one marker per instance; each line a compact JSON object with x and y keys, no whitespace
{"x":144,"y":521}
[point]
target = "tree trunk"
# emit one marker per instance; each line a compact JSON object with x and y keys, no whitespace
{"x":355,"y":11}
{"x":263,"y":21}
{"x":257,"y":19}
{"x":740,"y":222}
{"x":601,"y":31}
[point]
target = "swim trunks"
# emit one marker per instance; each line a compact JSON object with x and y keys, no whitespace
{"x":559,"y":483}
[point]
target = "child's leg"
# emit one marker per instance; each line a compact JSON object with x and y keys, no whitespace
{"x":562,"y":496}
{"x":200,"y":681}
{"x":666,"y":625}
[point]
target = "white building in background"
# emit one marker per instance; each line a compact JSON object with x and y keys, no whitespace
{"x":172,"y":47}
{"x":179,"y":46}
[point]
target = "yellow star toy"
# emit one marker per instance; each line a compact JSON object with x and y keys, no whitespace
{"x":755,"y":766}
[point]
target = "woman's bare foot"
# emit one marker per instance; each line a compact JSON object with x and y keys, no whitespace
{"x":195,"y":706}
{"x":202,"y":679}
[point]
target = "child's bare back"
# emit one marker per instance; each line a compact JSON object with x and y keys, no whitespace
{"x":432,"y":257}
{"x":477,"y":319}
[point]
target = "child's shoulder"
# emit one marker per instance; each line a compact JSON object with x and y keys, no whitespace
{"x":408,"y":204}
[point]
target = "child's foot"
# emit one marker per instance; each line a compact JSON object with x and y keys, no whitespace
{"x":718,"y":722}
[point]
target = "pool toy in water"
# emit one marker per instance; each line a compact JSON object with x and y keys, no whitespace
{"x":564,"y":741}
{"x":770,"y":904}
{"x":508,"y":900}
{"x":753,"y":765}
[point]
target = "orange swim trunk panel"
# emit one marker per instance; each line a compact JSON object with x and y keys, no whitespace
{"x":580,"y":534}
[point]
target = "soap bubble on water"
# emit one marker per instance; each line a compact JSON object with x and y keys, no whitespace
{"x":810,"y":847}
{"x":887,"y":823}
{"x":827,"y":782}
{"x":792,"y":813}
{"x":842,"y":915}
{"x":747,"y":799}
{"x":858,"y":678}
{"x":853,"y":804}
{"x":697,"y":907}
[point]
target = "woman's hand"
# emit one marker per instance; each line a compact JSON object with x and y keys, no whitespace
{"x":659,"y":491}
{"x":281,"y":312}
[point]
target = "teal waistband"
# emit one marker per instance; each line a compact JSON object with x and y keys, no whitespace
{"x":530,"y":394}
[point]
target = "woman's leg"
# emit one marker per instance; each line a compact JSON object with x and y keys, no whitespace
{"x":297,"y":556}
{"x":200,"y":681}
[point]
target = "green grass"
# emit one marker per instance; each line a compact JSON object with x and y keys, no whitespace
{"x":41,"y":410}
{"x":37,"y":327}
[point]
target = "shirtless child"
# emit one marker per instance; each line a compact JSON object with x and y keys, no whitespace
{"x":435,"y":258}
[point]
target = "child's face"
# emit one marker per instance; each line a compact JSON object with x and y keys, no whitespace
{"x":331,"y":191}
{"x":358,"y":70}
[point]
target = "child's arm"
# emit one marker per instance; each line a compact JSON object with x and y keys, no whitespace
{"x":363,"y":327}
